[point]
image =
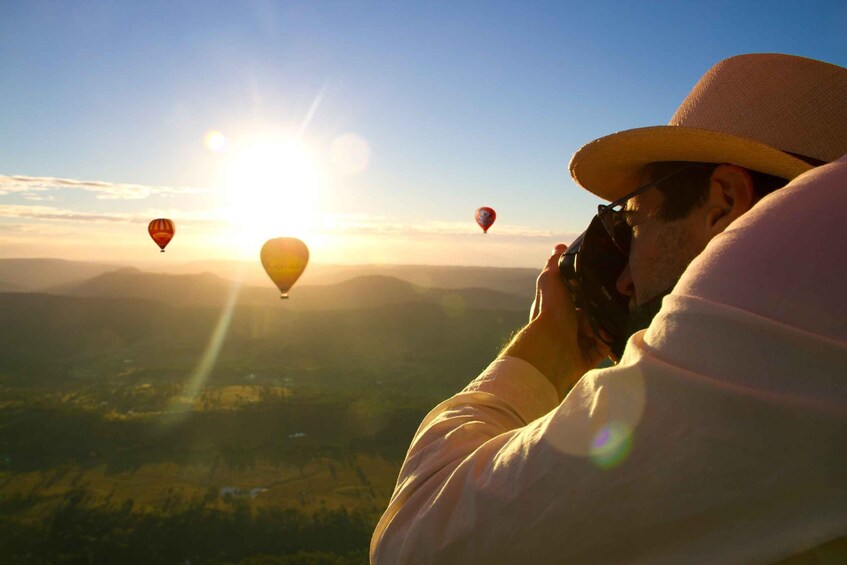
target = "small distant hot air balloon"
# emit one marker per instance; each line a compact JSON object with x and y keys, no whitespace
{"x":284,"y":259}
{"x":485,"y":216}
{"x":162,"y":231}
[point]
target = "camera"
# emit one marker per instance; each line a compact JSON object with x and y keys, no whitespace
{"x":590,"y":268}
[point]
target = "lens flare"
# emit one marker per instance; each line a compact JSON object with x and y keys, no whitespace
{"x":214,"y":141}
{"x":349,"y":154}
{"x":611,"y":445}
{"x":181,"y":406}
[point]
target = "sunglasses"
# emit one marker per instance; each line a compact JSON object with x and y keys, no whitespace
{"x":613,"y":217}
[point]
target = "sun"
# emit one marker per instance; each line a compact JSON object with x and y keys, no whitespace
{"x":273,"y":189}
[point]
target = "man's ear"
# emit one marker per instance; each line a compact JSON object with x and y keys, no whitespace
{"x":731,"y":194}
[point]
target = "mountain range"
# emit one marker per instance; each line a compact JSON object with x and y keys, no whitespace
{"x":160,"y":324}
{"x":28,"y":275}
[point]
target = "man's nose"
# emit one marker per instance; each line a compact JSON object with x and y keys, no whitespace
{"x":624,"y":283}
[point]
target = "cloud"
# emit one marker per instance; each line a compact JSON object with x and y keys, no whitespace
{"x":102,"y":190}
{"x":51,"y":213}
{"x":37,"y":197}
{"x":39,"y":212}
{"x":33,"y":229}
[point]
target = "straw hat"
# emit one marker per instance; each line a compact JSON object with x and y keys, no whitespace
{"x":754,"y":111}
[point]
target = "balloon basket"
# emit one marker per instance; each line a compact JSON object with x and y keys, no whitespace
{"x":283,"y":296}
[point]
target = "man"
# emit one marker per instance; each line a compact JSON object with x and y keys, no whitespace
{"x":720,"y":435}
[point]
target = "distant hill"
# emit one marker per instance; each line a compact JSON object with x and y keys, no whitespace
{"x":203,"y":289}
{"x":512,"y":280}
{"x":380,"y":290}
{"x":38,"y":274}
{"x":60,"y":276}
{"x":360,"y":292}
{"x":7,"y":287}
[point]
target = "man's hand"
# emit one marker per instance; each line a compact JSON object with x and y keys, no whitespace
{"x":558,"y":341}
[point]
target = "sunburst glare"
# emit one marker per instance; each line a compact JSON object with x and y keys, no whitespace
{"x":273,"y":190}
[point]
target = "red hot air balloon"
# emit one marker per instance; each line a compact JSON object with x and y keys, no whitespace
{"x":162,"y":231}
{"x":485,"y":216}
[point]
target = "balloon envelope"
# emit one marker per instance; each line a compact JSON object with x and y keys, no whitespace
{"x":162,"y":231}
{"x":284,"y":259}
{"x":485,"y":217}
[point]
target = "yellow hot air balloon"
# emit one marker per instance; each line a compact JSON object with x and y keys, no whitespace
{"x":284,"y":259}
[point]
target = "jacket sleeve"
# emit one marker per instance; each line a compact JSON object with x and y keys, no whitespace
{"x":506,"y":397}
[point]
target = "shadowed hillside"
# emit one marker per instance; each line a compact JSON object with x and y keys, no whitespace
{"x":203,"y":289}
{"x":211,"y":279}
{"x":7,"y":287}
{"x":509,"y":280}
{"x":369,"y":291}
{"x":59,"y":337}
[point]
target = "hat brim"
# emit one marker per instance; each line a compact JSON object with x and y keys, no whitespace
{"x":611,"y":166}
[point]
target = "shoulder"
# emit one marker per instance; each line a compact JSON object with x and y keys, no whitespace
{"x":784,"y":259}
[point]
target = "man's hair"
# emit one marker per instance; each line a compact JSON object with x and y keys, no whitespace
{"x":688,"y":189}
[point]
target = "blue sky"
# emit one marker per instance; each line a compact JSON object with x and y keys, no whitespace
{"x":460,"y":104}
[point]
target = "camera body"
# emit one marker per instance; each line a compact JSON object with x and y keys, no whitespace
{"x":591,"y":267}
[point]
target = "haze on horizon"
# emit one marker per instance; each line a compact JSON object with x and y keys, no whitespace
{"x":372,"y":132}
